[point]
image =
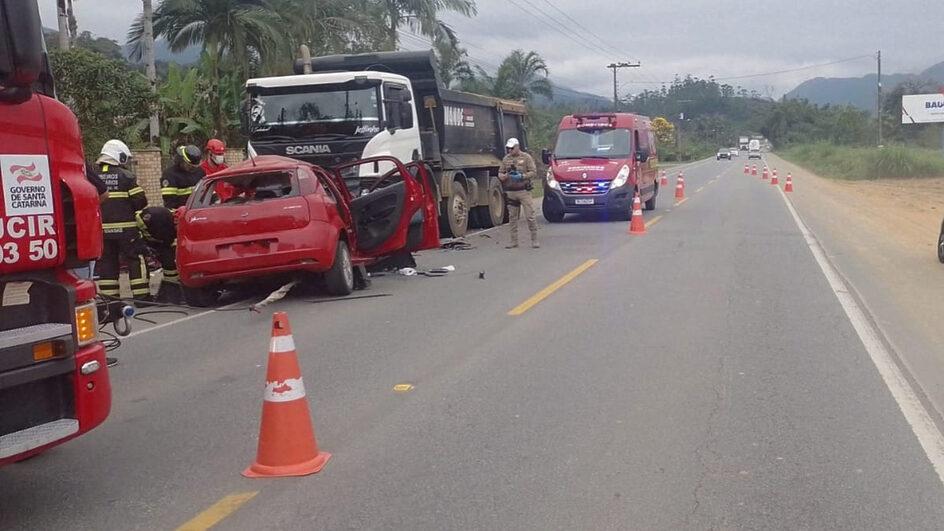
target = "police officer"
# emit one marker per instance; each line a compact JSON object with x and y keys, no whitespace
{"x":121,"y":235}
{"x":516,"y":171}
{"x":178,"y":181}
{"x":159,"y":233}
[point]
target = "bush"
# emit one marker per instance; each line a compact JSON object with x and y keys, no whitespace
{"x":890,"y":162}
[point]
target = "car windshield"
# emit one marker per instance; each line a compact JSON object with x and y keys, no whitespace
{"x":605,"y":143}
{"x":347,"y":110}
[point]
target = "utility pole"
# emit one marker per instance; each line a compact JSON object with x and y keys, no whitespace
{"x":147,"y":19}
{"x":878,"y":104}
{"x":615,"y":67}
{"x":63,"y":19}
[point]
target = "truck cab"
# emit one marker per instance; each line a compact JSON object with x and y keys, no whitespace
{"x":599,"y":162}
{"x":54,"y":384}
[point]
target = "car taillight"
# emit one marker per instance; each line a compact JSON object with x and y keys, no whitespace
{"x":86,"y":324}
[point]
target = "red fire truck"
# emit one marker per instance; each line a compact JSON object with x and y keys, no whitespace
{"x":54,"y":383}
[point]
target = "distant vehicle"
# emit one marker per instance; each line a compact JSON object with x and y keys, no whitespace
{"x":753,"y":149}
{"x":743,"y":141}
{"x":734,"y":152}
{"x":723,"y":154}
{"x":599,"y":162}
{"x":281,"y":215}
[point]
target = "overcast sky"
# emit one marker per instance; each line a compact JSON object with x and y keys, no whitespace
{"x":702,"y":37}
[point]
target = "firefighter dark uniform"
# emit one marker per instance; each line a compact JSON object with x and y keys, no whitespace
{"x":159,"y":233}
{"x":121,"y":236}
{"x":179,"y":180}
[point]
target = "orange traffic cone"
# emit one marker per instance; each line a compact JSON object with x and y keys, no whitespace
{"x":754,"y":170}
{"x":789,"y":186}
{"x":680,"y":187}
{"x":664,"y":180}
{"x":637,"y":225}
{"x":287,"y":445}
{"x":764,"y":176}
{"x":747,"y":169}
{"x":773,"y":177}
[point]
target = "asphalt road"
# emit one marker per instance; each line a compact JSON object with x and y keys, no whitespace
{"x":703,"y":375}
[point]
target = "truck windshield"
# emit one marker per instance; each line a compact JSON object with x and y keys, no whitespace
{"x":299,"y":112}
{"x":605,"y":143}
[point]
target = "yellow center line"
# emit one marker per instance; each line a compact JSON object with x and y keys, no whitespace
{"x":546,"y":292}
{"x":218,"y":511}
{"x":653,"y":221}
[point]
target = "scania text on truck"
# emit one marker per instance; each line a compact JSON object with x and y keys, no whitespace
{"x":342,"y":108}
{"x":54,"y":384}
{"x":598,"y":163}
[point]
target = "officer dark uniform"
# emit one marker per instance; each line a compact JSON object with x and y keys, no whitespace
{"x":179,"y":180}
{"x":159,"y":233}
{"x":516,"y":171}
{"x":121,"y":236}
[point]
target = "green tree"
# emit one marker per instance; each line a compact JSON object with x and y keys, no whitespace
{"x":521,"y":75}
{"x":236,"y":31}
{"x":421,"y":16}
{"x":107,"y":96}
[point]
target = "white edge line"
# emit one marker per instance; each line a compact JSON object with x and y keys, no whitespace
{"x":921,"y":422}
{"x":178,"y":321}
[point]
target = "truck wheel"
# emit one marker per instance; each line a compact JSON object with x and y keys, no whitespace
{"x":651,"y":202}
{"x":496,"y":206}
{"x":339,"y":280}
{"x":940,"y":245}
{"x":455,"y":212}
{"x":200,"y":297}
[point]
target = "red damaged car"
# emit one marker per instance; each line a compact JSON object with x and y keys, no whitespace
{"x":274,"y":215}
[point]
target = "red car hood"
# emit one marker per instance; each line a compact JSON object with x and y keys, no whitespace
{"x":587,"y":169}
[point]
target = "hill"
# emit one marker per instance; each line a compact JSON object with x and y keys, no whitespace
{"x":857,"y":91}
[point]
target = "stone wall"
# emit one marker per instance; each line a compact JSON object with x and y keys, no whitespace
{"x":234,"y":156}
{"x":146,"y":165}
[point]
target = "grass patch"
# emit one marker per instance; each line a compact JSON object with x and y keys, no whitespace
{"x":858,"y":163}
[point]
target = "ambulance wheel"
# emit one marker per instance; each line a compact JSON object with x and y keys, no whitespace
{"x":339,"y":280}
{"x":940,"y":245}
{"x":200,"y":297}
{"x":650,"y":203}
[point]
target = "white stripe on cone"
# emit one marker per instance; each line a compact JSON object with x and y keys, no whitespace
{"x":282,"y":345}
{"x":285,"y":391}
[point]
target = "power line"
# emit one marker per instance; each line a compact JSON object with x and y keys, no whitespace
{"x":763,"y":74}
{"x":558,"y":27}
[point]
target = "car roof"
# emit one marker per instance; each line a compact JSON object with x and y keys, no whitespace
{"x":259,"y":164}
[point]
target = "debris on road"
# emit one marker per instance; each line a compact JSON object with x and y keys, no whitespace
{"x":276,"y":295}
{"x":456,"y":244}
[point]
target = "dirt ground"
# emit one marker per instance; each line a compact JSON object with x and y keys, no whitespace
{"x":882,"y":237}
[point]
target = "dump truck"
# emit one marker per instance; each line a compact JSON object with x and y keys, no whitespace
{"x":340,"y":108}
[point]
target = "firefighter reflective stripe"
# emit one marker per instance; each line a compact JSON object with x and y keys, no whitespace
{"x":107,"y":282}
{"x":139,"y":285}
{"x":120,"y":225}
{"x":142,"y":227}
{"x":108,"y":287}
{"x":118,"y":195}
{"x":171,"y":276}
{"x":171,"y":190}
{"x":135,"y":191}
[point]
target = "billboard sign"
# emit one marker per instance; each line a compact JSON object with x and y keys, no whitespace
{"x":922,"y":108}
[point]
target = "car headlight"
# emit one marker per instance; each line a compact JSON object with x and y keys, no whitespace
{"x":551,"y":181}
{"x":621,"y":177}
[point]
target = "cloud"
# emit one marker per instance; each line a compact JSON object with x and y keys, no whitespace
{"x":702,"y":37}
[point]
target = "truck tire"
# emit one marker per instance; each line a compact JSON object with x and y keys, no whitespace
{"x":339,"y":280}
{"x":454,"y":221}
{"x":940,"y":245}
{"x":202,"y":297}
{"x":651,"y":202}
{"x":497,"y":210}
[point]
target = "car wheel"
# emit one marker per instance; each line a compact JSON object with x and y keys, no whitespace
{"x":552,"y":215}
{"x":339,"y":280}
{"x":940,"y":245}
{"x":454,"y":221}
{"x":200,"y":297}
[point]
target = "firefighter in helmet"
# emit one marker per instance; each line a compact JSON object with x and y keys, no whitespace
{"x":178,"y":181}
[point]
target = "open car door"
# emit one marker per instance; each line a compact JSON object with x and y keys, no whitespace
{"x":395,"y":212}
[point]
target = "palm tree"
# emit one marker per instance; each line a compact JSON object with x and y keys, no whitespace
{"x":62,"y":16}
{"x":421,"y":16}
{"x":522,"y":75}
{"x":243,"y":31}
{"x":453,"y":61}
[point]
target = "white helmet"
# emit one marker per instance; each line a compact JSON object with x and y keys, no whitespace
{"x":117,"y":151}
